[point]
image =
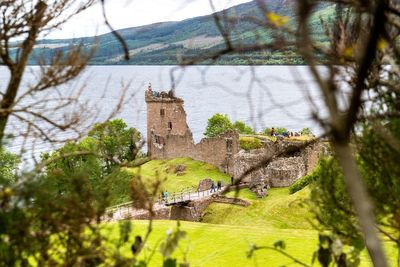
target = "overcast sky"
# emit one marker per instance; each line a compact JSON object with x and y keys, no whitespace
{"x":130,"y":13}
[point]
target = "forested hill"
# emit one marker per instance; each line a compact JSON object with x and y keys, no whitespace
{"x":167,"y":42}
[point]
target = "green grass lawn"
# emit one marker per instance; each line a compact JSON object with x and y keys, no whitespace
{"x":173,"y":182}
{"x":278,"y":210}
{"x":226,"y":245}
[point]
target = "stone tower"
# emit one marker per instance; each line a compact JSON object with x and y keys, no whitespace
{"x":165,"y":117}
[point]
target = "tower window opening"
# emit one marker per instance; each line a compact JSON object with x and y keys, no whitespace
{"x":229,"y":145}
{"x":162,"y":112}
{"x":169,"y":126}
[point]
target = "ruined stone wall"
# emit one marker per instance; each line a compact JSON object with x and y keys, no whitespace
{"x":216,"y":151}
{"x":284,"y":171}
{"x":281,"y":171}
{"x":311,"y":155}
{"x":175,"y":146}
{"x":244,"y":160}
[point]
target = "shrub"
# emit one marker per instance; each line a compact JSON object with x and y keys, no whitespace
{"x":306,"y":131}
{"x":217,"y":125}
{"x":249,"y":143}
{"x":304,"y":181}
{"x":242,"y":128}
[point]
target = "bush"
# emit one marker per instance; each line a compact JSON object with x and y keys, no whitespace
{"x":306,"y":131}
{"x":242,"y":128}
{"x":249,"y":143}
{"x":218,"y":125}
{"x":304,"y":181}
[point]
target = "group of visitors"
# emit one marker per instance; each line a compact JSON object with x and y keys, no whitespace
{"x":287,"y":134}
{"x":165,"y":194}
{"x":219,"y":186}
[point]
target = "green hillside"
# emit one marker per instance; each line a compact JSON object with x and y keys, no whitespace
{"x":226,"y":241}
{"x":175,"y":181}
{"x":161,"y":43}
{"x":277,"y":210}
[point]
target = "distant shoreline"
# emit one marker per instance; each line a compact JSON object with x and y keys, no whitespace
{"x":205,"y":65}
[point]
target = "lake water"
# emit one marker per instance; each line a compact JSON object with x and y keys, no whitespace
{"x":262,"y":96}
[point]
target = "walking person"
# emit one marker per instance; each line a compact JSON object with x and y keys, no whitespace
{"x":219,"y":185}
{"x":166,"y":197}
{"x":212,"y":187}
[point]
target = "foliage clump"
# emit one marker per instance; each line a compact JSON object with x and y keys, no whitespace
{"x":249,"y":143}
{"x":219,"y":124}
{"x":306,"y":131}
{"x":304,"y":181}
{"x":8,"y":165}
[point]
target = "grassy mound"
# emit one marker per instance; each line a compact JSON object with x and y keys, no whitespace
{"x":279,"y":210}
{"x":174,"y":180}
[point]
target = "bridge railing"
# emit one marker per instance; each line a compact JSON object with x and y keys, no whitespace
{"x":186,"y":194}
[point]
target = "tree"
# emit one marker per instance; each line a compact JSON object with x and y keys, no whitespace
{"x":306,"y":131}
{"x":8,"y":167}
{"x":218,"y":124}
{"x":115,"y":142}
{"x":108,"y":146}
{"x":50,"y":218}
{"x":361,"y":39}
{"x":242,"y":128}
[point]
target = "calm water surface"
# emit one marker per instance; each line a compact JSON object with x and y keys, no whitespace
{"x":261,"y":96}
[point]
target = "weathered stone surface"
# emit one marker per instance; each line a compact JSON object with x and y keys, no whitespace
{"x":244,"y":160}
{"x":205,"y":184}
{"x":184,"y":213}
{"x":284,"y":171}
{"x":276,"y":172}
{"x":259,"y":186}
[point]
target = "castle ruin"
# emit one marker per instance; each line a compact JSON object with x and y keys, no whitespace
{"x":168,"y":136}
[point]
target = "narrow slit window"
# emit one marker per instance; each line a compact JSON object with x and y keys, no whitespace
{"x":170,"y":126}
{"x":229,"y":145}
{"x":162,"y":112}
